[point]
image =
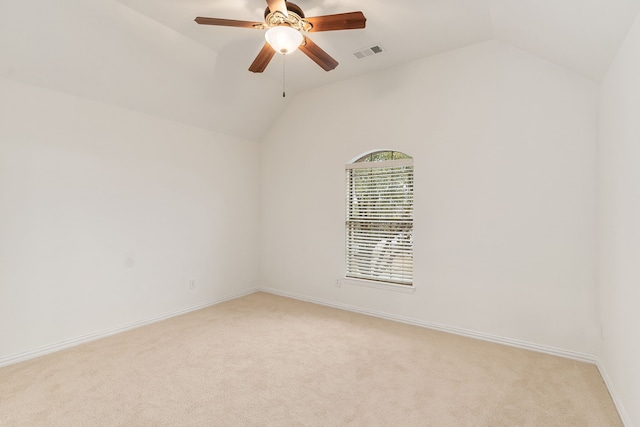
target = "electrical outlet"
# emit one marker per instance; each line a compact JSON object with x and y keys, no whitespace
{"x":338,"y":282}
{"x":192,"y":284}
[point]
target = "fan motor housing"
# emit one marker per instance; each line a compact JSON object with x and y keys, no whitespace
{"x":290,"y":7}
{"x":294,"y":18}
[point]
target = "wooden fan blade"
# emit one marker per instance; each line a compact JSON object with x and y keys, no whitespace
{"x":339,"y":21}
{"x":228,"y":22}
{"x":262,"y":60}
{"x":278,"y":5}
{"x":318,"y":55}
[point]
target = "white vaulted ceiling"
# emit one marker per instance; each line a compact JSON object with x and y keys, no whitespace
{"x":150,"y":56}
{"x":580,"y":35}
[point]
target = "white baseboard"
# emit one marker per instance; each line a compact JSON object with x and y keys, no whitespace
{"x":51,"y":348}
{"x":40,"y":351}
{"x":582,"y":357}
{"x":624,"y":417}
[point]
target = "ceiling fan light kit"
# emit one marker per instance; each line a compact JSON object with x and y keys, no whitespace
{"x":287,"y":26}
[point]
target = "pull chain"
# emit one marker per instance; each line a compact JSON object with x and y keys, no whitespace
{"x":284,"y":60}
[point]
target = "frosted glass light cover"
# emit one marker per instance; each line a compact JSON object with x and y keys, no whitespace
{"x":283,"y":39}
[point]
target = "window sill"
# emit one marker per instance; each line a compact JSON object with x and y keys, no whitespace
{"x":378,"y":285}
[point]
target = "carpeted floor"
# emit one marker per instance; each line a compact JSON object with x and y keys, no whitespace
{"x":265,"y":360}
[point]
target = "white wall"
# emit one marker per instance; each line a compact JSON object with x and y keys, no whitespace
{"x":106,"y":214}
{"x":619,"y":227}
{"x":504,"y":147}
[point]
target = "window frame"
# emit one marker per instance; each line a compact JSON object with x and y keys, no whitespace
{"x":359,"y":231}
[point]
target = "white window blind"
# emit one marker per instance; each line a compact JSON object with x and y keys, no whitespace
{"x":379,"y":220}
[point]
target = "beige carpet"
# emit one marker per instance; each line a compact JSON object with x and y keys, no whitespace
{"x":264,"y":360}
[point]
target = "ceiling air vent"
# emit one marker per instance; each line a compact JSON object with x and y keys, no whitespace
{"x":369,"y":51}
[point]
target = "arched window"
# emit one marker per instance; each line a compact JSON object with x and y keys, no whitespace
{"x":379,"y":219}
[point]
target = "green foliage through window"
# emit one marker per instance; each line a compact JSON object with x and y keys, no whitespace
{"x":381,"y":156}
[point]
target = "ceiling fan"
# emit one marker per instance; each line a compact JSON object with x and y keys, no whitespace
{"x":286,"y":27}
